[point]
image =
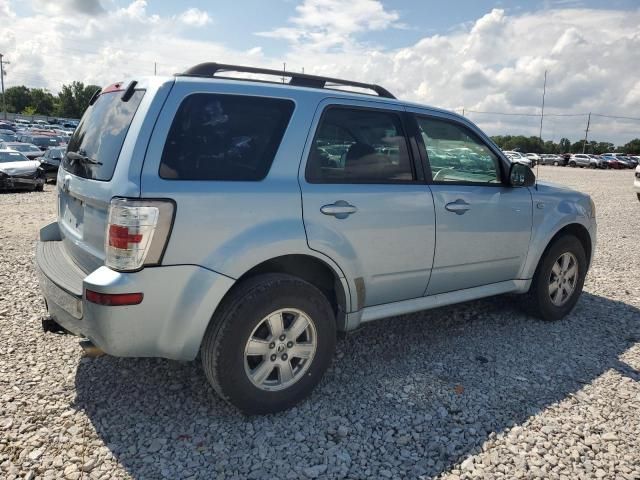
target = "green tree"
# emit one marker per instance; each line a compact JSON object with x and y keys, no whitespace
{"x":633,"y":146}
{"x":17,"y":98}
{"x":42,"y":101}
{"x":29,"y":110}
{"x":564,"y":146}
{"x":73,"y":99}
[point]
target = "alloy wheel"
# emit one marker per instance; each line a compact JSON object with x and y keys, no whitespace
{"x":563,"y":279}
{"x":280,"y":349}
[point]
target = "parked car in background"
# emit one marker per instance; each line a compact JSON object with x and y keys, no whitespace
{"x":620,"y":157}
{"x":636,"y":182}
{"x":228,"y":229}
{"x":582,"y":160}
{"x":30,"y":151}
{"x":50,"y":162}
{"x":17,"y":171}
{"x":612,"y":162}
{"x":518,"y":157}
{"x":43,"y":142}
{"x":7,"y":136}
{"x":632,"y":160}
{"x":534,"y":157}
{"x":552,"y":159}
{"x":7,"y":126}
{"x":600,"y":162}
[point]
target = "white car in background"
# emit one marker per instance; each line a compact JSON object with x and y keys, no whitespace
{"x":518,"y":157}
{"x":534,"y":157}
{"x":636,"y":182}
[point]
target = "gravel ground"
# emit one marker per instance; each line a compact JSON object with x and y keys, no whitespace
{"x":475,"y":390}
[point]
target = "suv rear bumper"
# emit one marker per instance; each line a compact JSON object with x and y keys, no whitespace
{"x":170,"y":322}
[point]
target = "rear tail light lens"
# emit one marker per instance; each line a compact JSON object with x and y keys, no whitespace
{"x":137,"y":232}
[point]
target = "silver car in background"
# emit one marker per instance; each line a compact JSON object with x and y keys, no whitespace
{"x":250,"y":221}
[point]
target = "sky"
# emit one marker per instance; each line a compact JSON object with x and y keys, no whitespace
{"x":475,"y":55}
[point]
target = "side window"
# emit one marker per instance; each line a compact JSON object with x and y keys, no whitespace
{"x":224,"y":137}
{"x":456,"y":154}
{"x":359,"y":146}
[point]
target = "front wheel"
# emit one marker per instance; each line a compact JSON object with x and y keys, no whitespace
{"x":559,"y":278}
{"x":269,"y":343}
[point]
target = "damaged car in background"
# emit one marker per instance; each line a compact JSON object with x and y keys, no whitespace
{"x":18,"y":172}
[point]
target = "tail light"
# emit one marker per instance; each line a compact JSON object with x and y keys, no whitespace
{"x":137,"y":232}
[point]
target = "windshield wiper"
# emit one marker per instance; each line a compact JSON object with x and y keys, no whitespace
{"x":76,"y":157}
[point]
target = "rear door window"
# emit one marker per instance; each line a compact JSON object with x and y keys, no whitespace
{"x":224,"y":137}
{"x":100,"y":134}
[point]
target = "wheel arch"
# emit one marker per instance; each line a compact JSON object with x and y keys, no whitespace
{"x":311,"y":269}
{"x":577,"y":230}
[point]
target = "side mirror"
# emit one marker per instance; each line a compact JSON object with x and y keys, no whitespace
{"x":520,"y":175}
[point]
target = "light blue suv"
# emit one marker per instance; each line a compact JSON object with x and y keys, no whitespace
{"x":251,"y":220}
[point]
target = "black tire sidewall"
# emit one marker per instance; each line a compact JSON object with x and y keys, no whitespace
{"x":546,"y":309}
{"x":262,"y":297}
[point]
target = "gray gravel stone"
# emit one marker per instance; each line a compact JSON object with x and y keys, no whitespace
{"x":478,"y":390}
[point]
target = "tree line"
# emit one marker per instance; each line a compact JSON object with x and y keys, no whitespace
{"x":70,"y":102}
{"x":535,"y":145}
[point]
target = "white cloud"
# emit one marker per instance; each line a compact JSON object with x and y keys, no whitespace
{"x":496,"y":63}
{"x":331,"y":23}
{"x":194,"y":17}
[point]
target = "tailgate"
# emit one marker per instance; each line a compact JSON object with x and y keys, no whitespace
{"x":103,"y":160}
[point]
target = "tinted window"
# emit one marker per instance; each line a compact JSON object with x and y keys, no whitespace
{"x":100,"y":135}
{"x":359,"y":146}
{"x":224,"y":137}
{"x":456,"y":154}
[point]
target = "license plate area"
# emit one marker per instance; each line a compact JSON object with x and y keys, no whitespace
{"x":72,"y":213}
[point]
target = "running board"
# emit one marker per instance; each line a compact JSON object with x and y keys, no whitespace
{"x":377,"y":312}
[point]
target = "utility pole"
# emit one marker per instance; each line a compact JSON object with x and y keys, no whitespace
{"x":4,"y":100}
{"x":586,"y":133}
{"x":155,"y":69}
{"x":544,"y":92}
{"x":284,"y":69}
{"x":463,"y":111}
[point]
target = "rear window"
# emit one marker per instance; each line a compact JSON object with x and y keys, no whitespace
{"x":100,"y":135}
{"x":224,"y":137}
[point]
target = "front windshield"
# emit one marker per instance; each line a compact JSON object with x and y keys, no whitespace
{"x":25,"y":147}
{"x":7,"y":157}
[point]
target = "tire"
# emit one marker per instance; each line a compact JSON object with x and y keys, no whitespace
{"x":243,"y":316}
{"x":572,"y":164}
{"x":555,"y":164}
{"x":540,"y":301}
{"x":638,"y":194}
{"x":39,"y":188}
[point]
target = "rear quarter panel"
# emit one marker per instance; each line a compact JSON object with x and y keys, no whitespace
{"x":231,"y":226}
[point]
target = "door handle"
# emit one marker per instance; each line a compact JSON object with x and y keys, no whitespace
{"x":339,"y":209}
{"x":459,"y":207}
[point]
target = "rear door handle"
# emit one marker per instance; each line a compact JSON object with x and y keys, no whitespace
{"x":339,"y":209}
{"x":459,"y":207}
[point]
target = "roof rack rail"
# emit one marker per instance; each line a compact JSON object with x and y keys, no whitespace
{"x":209,"y":69}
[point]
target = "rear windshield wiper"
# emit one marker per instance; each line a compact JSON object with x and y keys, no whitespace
{"x":76,"y":157}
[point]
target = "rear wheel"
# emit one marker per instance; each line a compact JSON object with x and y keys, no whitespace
{"x":269,"y":343}
{"x":555,"y":163}
{"x":39,"y":187}
{"x":572,"y":164}
{"x":559,"y":278}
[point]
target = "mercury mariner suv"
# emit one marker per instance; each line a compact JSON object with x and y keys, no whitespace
{"x":250,"y":221}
